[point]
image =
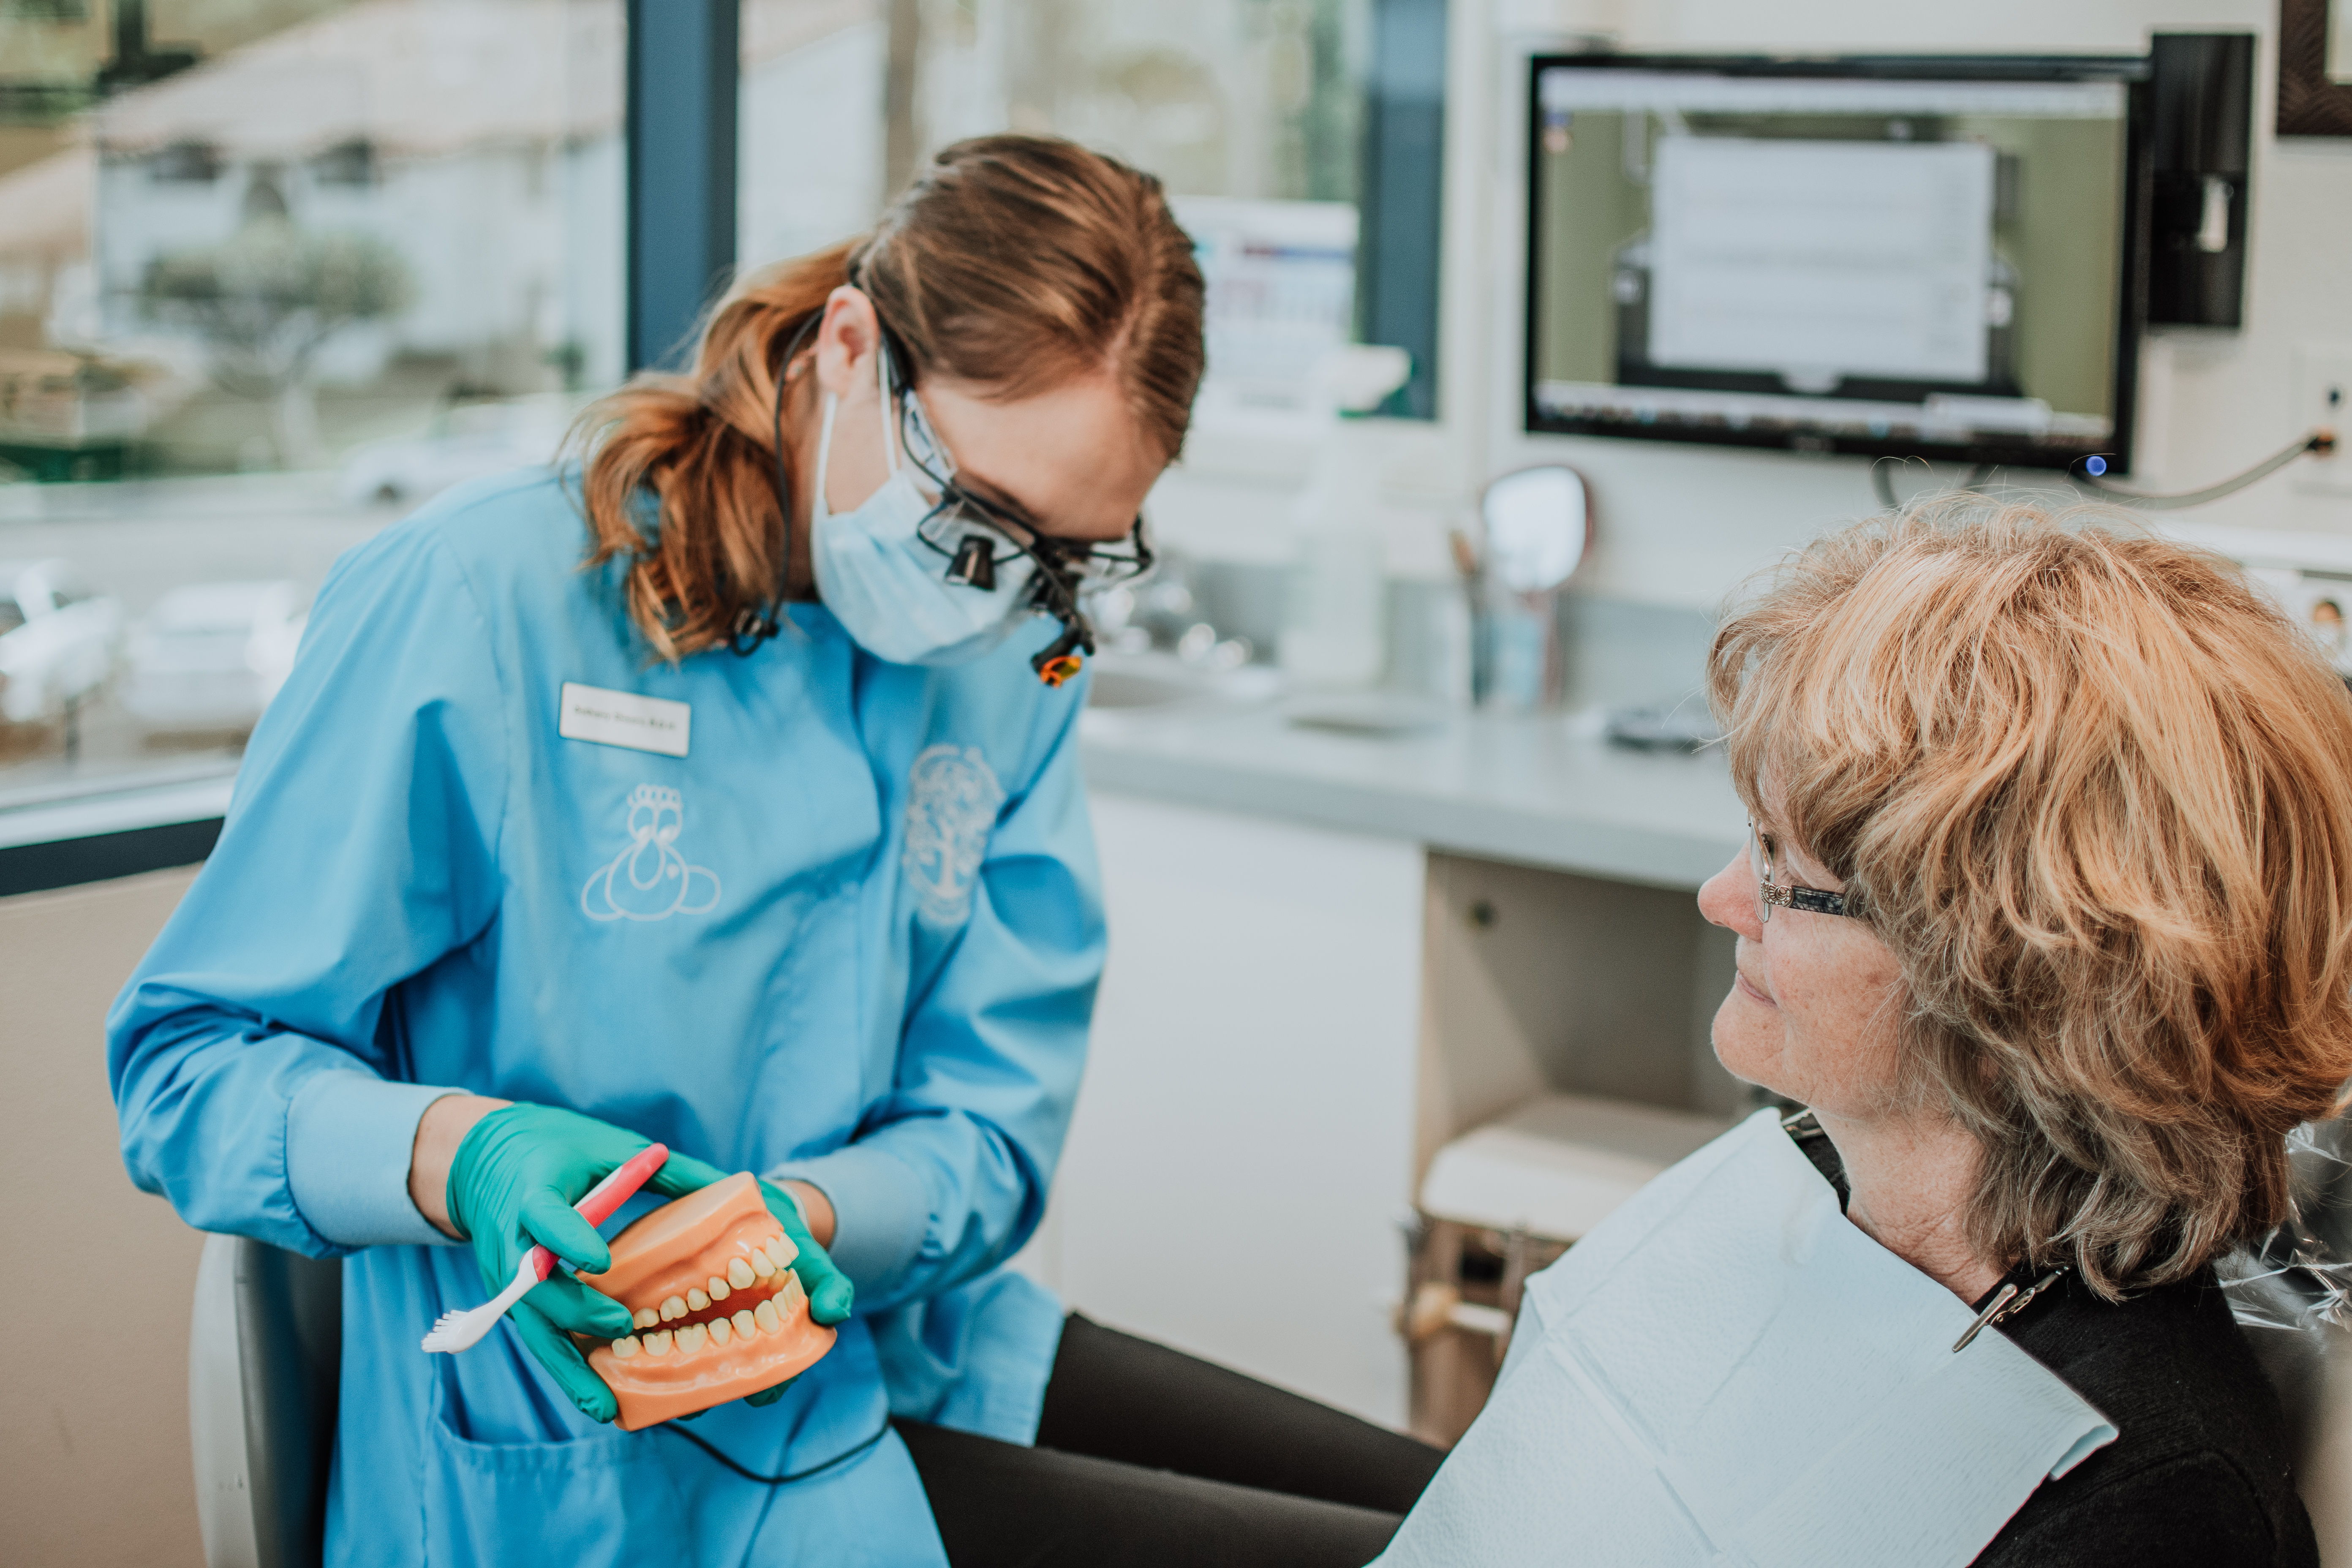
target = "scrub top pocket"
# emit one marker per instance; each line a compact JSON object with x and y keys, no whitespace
{"x":482,"y":1499}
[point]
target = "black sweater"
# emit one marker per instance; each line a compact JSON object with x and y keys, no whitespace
{"x":2197,"y":1477}
{"x":2197,"y":1474}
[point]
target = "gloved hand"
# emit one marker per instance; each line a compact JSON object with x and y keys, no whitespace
{"x":512,"y":1184}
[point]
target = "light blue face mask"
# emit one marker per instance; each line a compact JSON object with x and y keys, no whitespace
{"x":886,"y":586}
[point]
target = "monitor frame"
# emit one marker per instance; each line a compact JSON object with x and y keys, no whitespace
{"x":2130,"y":71}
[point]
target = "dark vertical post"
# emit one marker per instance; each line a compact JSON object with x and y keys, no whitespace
{"x":1404,"y":192}
{"x":2203,"y":121}
{"x":682,"y":72}
{"x":137,"y":61}
{"x":129,"y":30}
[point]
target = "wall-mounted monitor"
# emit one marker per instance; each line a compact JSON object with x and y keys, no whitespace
{"x":1937,"y":258}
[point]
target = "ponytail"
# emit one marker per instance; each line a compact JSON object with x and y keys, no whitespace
{"x":1015,"y":263}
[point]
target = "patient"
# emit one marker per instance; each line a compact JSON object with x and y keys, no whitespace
{"x":2089,"y":802}
{"x":2047,"y":915}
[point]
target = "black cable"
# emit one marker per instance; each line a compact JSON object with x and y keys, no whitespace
{"x":1884,"y":485}
{"x":2317,"y":443}
{"x":752,"y":626}
{"x":1883,"y":478}
{"x":841,"y":1459}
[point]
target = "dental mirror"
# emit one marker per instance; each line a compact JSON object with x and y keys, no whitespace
{"x":1536,"y":526}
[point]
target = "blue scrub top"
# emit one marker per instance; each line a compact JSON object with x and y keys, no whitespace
{"x":853,"y":936}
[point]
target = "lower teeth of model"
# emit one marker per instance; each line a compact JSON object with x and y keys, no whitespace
{"x":764,"y":1319}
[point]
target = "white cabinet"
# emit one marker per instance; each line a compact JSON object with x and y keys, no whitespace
{"x":1293,"y":1020}
{"x":1243,"y":1145}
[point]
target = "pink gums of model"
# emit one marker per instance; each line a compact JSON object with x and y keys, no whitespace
{"x":719,"y":1311}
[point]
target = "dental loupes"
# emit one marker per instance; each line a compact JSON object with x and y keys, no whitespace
{"x":455,"y":1331}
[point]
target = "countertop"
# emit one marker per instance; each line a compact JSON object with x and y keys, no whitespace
{"x":1537,"y":789}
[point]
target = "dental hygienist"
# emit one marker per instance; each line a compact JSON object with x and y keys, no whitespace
{"x":722,"y":789}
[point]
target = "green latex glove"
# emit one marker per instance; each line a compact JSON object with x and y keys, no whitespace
{"x":512,"y":1185}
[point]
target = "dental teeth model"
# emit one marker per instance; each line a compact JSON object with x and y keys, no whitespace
{"x":716,"y":1309}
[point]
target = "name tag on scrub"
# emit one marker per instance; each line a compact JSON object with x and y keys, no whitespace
{"x":624,"y":719}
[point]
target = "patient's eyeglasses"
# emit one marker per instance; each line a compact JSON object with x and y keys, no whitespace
{"x":1771,"y":895}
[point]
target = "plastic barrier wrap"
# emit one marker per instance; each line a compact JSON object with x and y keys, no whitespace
{"x":2292,"y":1292}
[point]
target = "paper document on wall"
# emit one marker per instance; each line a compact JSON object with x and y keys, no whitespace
{"x":1281,"y":278}
{"x":1821,"y":259}
{"x":1728,"y":1372}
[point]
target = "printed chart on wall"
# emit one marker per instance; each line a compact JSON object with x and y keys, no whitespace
{"x":1281,"y":277}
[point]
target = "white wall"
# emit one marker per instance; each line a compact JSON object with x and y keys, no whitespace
{"x":1680,"y":525}
{"x":1243,"y":1142}
{"x":94,"y":1410}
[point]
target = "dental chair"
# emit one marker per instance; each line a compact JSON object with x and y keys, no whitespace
{"x":265,"y":1350}
{"x":2313,"y":1374}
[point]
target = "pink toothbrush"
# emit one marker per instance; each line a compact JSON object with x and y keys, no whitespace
{"x":457,"y":1332}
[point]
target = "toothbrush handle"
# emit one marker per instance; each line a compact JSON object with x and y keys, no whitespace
{"x":606,"y":1198}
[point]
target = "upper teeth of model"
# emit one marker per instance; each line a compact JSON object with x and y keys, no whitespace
{"x":766,"y":1261}
{"x":771,"y":1316}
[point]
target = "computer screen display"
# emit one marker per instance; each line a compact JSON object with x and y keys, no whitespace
{"x":1915,"y":258}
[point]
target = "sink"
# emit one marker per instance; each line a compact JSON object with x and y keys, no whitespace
{"x":1129,"y":681}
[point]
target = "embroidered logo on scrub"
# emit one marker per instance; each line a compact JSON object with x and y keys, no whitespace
{"x":952,"y":799}
{"x":650,"y":880}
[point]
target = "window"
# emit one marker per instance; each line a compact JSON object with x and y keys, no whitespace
{"x":268,"y":278}
{"x":1253,"y":112}
{"x":350,"y":163}
{"x":809,"y":115}
{"x":273,"y":273}
{"x":189,"y":162}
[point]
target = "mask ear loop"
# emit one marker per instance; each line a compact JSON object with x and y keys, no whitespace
{"x":753,"y":627}
{"x":819,"y":509}
{"x":889,"y":413}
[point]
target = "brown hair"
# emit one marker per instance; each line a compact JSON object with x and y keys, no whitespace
{"x":1015,"y":263}
{"x":2096,"y":796}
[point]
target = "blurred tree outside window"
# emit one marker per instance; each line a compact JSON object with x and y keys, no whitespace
{"x":267,"y":301}
{"x":271,"y":273}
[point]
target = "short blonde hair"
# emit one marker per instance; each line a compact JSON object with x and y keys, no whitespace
{"x":2095,"y":794}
